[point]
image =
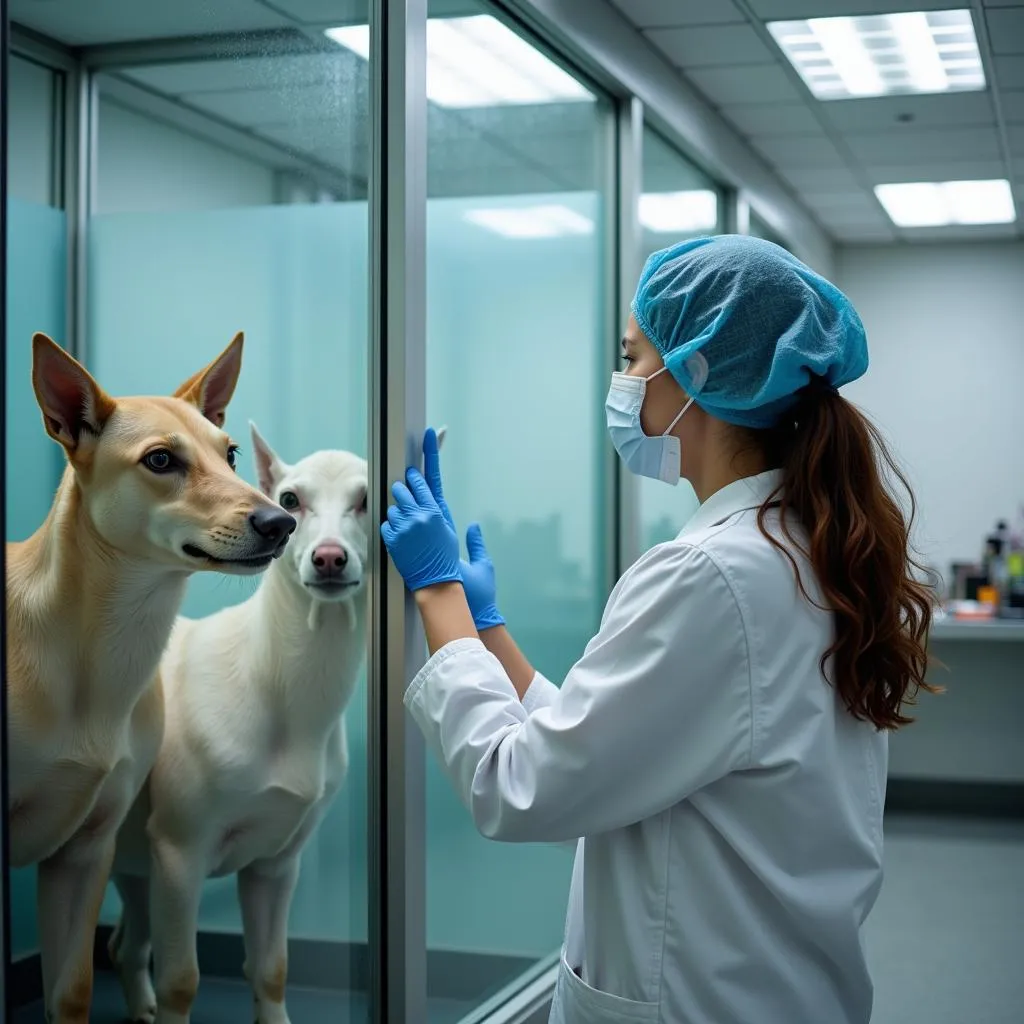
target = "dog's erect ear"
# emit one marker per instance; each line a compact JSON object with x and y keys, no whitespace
{"x":442,"y":433}
{"x":210,"y":390}
{"x":269,"y":468}
{"x":73,"y":404}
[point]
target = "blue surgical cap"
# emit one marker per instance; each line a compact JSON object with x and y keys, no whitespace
{"x":743,"y":325}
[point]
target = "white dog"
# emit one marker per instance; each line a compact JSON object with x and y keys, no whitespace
{"x":254,"y":748}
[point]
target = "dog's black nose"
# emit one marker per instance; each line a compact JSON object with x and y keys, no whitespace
{"x":273,"y":524}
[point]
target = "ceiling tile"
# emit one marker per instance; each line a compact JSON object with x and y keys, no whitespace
{"x":937,"y":170}
{"x":914,"y":146}
{"x":759,"y":83}
{"x":868,"y":234}
{"x":960,"y":233}
{"x":712,"y":46}
{"x":841,"y":202}
{"x":880,"y":114}
{"x":1010,"y":72}
{"x":785,"y":9}
{"x":812,"y":179}
{"x":1015,"y":136}
{"x":664,"y":13}
{"x":810,"y":151}
{"x":840,"y":220}
{"x":114,"y":21}
{"x":1006,"y":29}
{"x":756,"y":119}
{"x":1013,"y":104}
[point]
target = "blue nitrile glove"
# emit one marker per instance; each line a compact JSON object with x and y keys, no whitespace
{"x":422,"y":543}
{"x":478,"y":573}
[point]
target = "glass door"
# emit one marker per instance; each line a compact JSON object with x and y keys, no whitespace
{"x":223,"y":184}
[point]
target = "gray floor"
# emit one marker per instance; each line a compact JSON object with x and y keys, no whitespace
{"x":945,"y":941}
{"x":946,"y":938}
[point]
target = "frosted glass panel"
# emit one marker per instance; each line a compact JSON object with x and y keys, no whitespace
{"x":516,"y":371}
{"x":294,"y":278}
{"x":36,"y":276}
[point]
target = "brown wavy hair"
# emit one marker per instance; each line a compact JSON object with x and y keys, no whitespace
{"x":836,"y":470}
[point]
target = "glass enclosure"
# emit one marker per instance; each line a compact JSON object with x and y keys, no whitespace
{"x":517,"y":338}
{"x":677,"y":201}
{"x":178,"y":174}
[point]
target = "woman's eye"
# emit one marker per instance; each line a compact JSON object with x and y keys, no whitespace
{"x":289,"y":501}
{"x":159,"y":461}
{"x":232,"y":453}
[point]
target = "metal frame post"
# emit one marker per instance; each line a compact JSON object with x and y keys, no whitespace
{"x":397,"y":825}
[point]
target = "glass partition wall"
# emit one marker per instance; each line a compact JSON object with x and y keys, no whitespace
{"x":450,"y":249}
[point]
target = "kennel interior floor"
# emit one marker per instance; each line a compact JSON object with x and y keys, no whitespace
{"x":944,"y":940}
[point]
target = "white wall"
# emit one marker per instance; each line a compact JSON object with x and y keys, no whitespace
{"x":946,"y":383}
{"x":145,"y":165}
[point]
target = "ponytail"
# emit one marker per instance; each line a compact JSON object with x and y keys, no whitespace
{"x":834,"y":462}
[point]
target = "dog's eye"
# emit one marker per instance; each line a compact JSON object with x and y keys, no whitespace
{"x":232,"y":452}
{"x":289,"y":501}
{"x":159,"y":461}
{"x":362,"y":506}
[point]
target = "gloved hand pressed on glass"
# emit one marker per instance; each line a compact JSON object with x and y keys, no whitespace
{"x":422,"y":543}
{"x":478,"y":573}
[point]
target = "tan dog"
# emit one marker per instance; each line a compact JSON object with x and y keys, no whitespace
{"x":149,"y":496}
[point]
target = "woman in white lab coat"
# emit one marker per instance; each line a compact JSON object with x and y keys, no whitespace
{"x":720,"y":746}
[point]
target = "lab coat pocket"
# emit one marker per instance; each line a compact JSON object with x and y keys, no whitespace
{"x":576,"y":1002}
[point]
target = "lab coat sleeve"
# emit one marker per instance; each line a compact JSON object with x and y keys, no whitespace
{"x":659,"y":706}
{"x":539,"y":694}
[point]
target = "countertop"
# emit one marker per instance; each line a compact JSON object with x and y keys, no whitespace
{"x":986,"y":631}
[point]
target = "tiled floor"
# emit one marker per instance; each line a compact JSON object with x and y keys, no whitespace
{"x":945,"y":941}
{"x":946,"y":938}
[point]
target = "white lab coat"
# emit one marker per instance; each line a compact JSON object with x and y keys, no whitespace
{"x":731,"y":808}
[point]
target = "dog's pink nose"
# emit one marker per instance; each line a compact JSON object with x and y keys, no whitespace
{"x":329,"y":559}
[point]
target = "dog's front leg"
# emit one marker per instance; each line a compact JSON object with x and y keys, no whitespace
{"x":69,"y":894}
{"x":176,"y":884}
{"x":265,"y":892}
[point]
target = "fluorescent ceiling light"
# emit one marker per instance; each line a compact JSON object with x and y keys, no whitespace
{"x":883,"y":54}
{"x":478,"y":62}
{"x":678,"y":212}
{"x":532,"y":221}
{"x":926,"y":204}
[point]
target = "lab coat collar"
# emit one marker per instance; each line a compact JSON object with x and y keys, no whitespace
{"x":750,"y":492}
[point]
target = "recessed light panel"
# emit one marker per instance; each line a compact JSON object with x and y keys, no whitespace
{"x":551,"y":221}
{"x":929,"y":204}
{"x":479,"y":62}
{"x":679,"y":212}
{"x":884,"y":54}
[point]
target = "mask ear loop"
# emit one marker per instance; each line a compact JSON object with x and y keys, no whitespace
{"x":672,"y":425}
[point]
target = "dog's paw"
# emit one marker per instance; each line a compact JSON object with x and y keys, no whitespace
{"x":139,"y":997}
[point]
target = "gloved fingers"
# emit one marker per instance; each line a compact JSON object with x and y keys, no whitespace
{"x":432,"y":472}
{"x":387,"y":532}
{"x":420,"y":491}
{"x":475,"y":543}
{"x":394,"y":516}
{"x":403,"y":496}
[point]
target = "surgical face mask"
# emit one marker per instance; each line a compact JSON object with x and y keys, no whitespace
{"x":655,"y":457}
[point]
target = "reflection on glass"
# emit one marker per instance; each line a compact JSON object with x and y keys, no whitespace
{"x":517,"y":372}
{"x":36,"y":301}
{"x":677,"y":201}
{"x":230,"y":195}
